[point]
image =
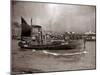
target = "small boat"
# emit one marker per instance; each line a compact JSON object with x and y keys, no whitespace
{"x":32,"y":38}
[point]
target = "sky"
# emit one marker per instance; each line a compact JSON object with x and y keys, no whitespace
{"x":56,"y":17}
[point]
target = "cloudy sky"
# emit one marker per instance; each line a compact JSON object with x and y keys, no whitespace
{"x":55,"y":17}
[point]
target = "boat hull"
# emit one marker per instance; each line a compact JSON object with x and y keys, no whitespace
{"x":71,"y":45}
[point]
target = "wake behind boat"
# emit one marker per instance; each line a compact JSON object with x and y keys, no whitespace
{"x":32,"y":37}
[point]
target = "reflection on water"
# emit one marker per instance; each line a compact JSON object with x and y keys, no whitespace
{"x":53,"y":60}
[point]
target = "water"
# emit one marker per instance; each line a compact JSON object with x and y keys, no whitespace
{"x":31,"y":61}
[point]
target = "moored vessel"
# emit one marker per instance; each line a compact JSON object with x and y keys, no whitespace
{"x":32,"y":37}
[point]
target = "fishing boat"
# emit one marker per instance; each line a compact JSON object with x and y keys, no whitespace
{"x":32,"y":38}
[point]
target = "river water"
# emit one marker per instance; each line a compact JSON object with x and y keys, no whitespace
{"x":32,"y":61}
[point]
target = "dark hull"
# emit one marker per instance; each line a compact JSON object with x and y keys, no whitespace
{"x":52,"y":47}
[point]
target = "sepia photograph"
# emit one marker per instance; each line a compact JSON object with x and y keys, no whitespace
{"x":52,"y":37}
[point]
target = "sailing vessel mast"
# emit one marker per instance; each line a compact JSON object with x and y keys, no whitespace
{"x":31,"y":21}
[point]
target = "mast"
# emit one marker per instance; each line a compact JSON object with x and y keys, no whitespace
{"x":31,"y":21}
{"x":31,"y":27}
